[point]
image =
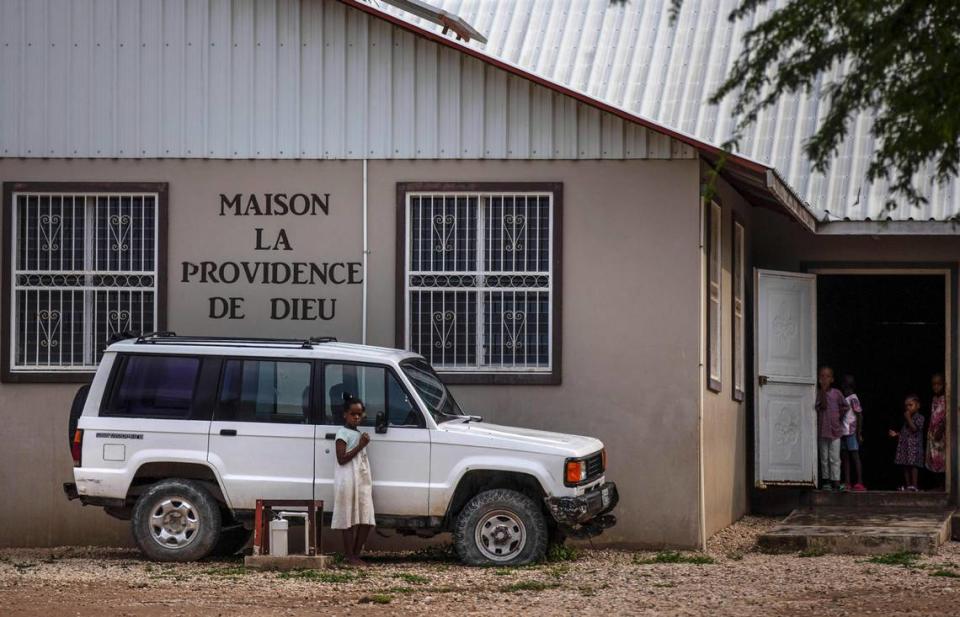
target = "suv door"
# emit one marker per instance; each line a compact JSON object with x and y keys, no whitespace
{"x":262,"y":434}
{"x":399,"y":458}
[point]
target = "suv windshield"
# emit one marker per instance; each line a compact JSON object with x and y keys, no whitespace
{"x":434,"y":393}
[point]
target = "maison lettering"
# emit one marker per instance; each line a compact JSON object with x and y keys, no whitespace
{"x":274,"y":204}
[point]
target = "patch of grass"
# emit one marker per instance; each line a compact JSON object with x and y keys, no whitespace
{"x":504,"y":571}
{"x":226,"y":571}
{"x":320,"y":576}
{"x":562,"y":552}
{"x":557,"y":572}
{"x":664,"y":585}
{"x":945,"y":573}
{"x":736,"y":556}
{"x":399,"y":590}
{"x":528,"y":586}
{"x":413,"y":579}
{"x":377,"y":598}
{"x":674,"y":557}
{"x":903,"y":559}
{"x":812,"y":552}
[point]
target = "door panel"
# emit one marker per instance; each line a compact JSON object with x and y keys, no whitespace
{"x":788,"y":423}
{"x":399,"y":458}
{"x":786,"y":356}
{"x":262,"y":438}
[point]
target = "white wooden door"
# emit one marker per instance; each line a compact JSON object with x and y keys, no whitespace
{"x":786,"y":378}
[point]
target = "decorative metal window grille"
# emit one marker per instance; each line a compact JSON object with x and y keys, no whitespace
{"x":85,"y":268}
{"x":479,"y":280}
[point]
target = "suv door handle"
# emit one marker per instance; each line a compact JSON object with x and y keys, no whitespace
{"x":228,"y":432}
{"x":330,"y":436}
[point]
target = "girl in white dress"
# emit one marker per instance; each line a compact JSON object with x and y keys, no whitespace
{"x":352,"y":484}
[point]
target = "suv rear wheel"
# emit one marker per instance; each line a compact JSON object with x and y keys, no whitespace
{"x":176,"y":520}
{"x":500,"y":527}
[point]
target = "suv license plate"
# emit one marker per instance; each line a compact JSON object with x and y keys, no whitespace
{"x":605,"y":496}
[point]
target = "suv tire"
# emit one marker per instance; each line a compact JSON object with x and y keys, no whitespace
{"x":176,"y":520}
{"x":500,"y":527}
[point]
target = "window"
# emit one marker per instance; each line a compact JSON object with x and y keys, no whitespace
{"x":376,"y":386}
{"x":480,"y":280}
{"x":265,"y":391}
{"x":154,"y":387}
{"x":739,"y":338}
{"x":440,"y":402}
{"x":714,"y":298}
{"x":84,"y":263}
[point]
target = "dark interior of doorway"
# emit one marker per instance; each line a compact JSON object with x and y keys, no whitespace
{"x":889,"y":332}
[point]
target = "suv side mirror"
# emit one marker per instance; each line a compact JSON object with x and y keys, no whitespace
{"x":381,"y":422}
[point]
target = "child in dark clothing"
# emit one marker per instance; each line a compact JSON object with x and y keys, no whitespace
{"x":910,"y":443}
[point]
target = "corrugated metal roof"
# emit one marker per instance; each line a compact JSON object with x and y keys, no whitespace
{"x":276,"y":79}
{"x":629,"y":55}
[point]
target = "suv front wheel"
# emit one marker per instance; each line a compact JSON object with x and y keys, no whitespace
{"x":176,"y":520}
{"x":500,"y":527}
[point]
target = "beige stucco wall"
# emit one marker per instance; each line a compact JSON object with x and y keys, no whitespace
{"x":630,"y":303}
{"x":724,"y":433}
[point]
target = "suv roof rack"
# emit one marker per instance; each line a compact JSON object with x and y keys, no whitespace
{"x":171,"y":338}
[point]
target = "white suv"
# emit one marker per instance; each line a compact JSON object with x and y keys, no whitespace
{"x":181,"y":436}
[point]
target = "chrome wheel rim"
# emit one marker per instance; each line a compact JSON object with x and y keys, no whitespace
{"x":500,"y":535}
{"x":174,"y":523}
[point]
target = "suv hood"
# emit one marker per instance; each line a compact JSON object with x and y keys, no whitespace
{"x":525,"y":438}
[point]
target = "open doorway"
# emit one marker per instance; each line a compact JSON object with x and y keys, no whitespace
{"x":889,"y":331}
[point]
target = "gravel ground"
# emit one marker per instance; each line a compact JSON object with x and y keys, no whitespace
{"x":739,"y":581}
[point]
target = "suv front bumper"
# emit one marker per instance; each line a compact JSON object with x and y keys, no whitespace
{"x":587,"y":514}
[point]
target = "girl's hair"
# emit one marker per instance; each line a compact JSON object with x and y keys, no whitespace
{"x":848,"y":382}
{"x":825,"y":366}
{"x":912,"y":397}
{"x":349,"y":401}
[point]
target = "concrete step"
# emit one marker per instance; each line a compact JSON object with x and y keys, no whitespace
{"x":853,"y":531}
{"x":875,"y":499}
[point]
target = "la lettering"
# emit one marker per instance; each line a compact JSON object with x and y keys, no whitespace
{"x":282,"y":243}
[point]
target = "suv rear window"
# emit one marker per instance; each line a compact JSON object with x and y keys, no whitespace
{"x":154,"y":387}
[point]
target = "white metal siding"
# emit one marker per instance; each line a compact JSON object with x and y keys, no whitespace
{"x":274,"y":79}
{"x":628,"y":54}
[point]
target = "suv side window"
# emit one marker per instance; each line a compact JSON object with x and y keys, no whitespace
{"x":154,"y":386}
{"x":264,"y":391}
{"x":376,"y":386}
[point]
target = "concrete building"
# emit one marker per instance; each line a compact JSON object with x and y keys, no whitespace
{"x":328,"y":167}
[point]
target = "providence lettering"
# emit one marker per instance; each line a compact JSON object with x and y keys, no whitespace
{"x":272,"y":272}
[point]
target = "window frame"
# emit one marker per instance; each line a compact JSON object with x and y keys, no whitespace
{"x":714,"y":308}
{"x":312,"y":415}
{"x":7,"y":374}
{"x":197,"y":408}
{"x":505,"y":376}
{"x":320,"y":400}
{"x":738,"y":295}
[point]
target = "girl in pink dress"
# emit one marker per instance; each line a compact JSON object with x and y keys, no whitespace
{"x":937,"y":432}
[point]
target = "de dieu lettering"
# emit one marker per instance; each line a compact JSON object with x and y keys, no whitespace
{"x":269,"y":272}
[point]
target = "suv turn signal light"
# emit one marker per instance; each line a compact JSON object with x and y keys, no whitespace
{"x":576,"y":472}
{"x":76,"y":447}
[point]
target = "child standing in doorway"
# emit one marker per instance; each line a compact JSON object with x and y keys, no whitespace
{"x":831,"y":407}
{"x":353,"y":484}
{"x":937,"y":433}
{"x":910,"y":443}
{"x":852,"y":435}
